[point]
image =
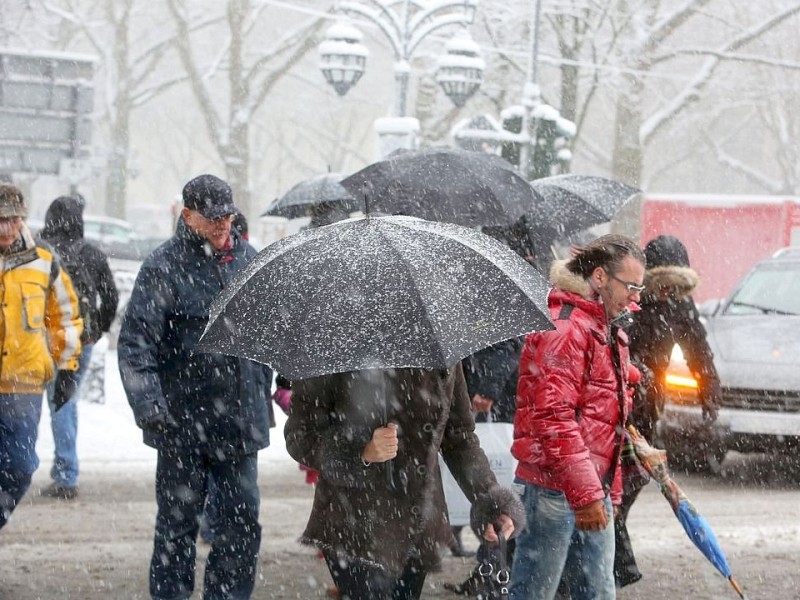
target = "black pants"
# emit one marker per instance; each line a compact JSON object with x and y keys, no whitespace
{"x":359,"y":582}
{"x":625,"y":569}
{"x":181,"y":489}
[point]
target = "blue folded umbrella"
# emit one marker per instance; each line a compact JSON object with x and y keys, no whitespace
{"x":694,"y":524}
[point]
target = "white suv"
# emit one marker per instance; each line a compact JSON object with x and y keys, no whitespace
{"x":755,"y":337}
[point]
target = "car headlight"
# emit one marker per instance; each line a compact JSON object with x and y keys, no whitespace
{"x":680,"y":385}
{"x":680,"y":381}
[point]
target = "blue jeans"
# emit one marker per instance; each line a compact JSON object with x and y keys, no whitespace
{"x":551,"y":545}
{"x":19,"y":427}
{"x":181,"y":489}
{"x":64,"y":423}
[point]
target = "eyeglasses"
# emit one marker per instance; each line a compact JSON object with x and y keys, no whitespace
{"x":632,"y":287}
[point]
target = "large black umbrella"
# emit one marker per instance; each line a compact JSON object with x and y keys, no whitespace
{"x":313,"y":197}
{"x":445,"y":184}
{"x":570,"y":203}
{"x":377,"y":292}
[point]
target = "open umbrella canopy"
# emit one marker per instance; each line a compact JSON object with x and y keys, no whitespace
{"x":313,"y":197}
{"x":570,"y":203}
{"x":377,"y":292}
{"x":445,"y":184}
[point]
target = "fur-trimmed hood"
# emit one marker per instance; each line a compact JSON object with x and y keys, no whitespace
{"x":566,"y":280}
{"x":683,"y":280}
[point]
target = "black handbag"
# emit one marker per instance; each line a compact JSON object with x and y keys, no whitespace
{"x":489,"y":580}
{"x":493,"y":574}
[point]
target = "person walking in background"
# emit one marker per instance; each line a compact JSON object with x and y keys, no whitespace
{"x":206,"y":414}
{"x":380,"y":524}
{"x":240,"y":224}
{"x":40,"y":330}
{"x":88,"y":269}
{"x":668,"y":316}
{"x":491,"y":375}
{"x":572,"y":405}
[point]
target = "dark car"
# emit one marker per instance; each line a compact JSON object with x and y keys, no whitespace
{"x":755,"y":337}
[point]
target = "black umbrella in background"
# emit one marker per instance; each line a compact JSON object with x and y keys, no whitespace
{"x":570,"y":203}
{"x":314,"y":197}
{"x":445,"y":184}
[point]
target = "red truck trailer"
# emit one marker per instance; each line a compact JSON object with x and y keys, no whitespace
{"x":725,"y":235}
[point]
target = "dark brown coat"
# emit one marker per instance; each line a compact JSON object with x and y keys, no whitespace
{"x":356,"y":513}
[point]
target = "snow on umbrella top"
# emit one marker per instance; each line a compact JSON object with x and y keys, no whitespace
{"x":570,"y":203}
{"x":378,"y":292}
{"x":446,"y":184}
{"x":311,"y":197}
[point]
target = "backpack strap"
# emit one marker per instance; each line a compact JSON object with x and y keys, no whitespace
{"x":565,"y":312}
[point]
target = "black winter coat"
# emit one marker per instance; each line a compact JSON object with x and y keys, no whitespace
{"x":216,"y":403}
{"x":493,"y":372}
{"x":63,"y":231}
{"x":656,"y":328}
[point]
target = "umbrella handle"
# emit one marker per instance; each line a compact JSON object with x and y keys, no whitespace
{"x":737,"y":588}
{"x":389,"y":466}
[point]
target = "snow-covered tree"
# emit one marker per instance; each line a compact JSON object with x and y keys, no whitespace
{"x":242,"y":64}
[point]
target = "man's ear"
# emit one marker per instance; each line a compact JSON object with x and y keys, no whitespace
{"x":599,"y":277}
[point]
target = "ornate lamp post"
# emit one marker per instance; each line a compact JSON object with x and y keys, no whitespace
{"x":342,"y":57}
{"x":405,"y":23}
{"x":543,"y":131}
{"x":460,"y":71}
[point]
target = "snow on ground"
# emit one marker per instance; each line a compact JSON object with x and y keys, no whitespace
{"x":108,"y":438}
{"x":109,"y":441}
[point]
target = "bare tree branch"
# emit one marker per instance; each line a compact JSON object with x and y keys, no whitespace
{"x":691,"y":93}
{"x":210,"y":116}
{"x":740,"y":58}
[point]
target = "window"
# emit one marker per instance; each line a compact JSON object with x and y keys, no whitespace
{"x":770,"y":289}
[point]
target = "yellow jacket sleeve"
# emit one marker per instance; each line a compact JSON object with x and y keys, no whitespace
{"x":64,"y":323}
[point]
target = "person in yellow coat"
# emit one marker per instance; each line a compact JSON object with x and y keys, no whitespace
{"x":40,"y":330}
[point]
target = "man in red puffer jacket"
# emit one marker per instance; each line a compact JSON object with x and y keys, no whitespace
{"x":571,"y":409}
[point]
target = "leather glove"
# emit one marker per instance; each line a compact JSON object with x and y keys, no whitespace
{"x":711,"y":397}
{"x":66,"y":386}
{"x":710,"y":411}
{"x":157,"y":422}
{"x":591,"y":517}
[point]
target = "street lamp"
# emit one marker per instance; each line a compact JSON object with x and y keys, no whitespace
{"x":460,"y":71}
{"x":405,"y":23}
{"x":342,"y":56}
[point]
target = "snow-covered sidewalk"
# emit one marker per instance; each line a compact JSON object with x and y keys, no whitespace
{"x":108,"y":438}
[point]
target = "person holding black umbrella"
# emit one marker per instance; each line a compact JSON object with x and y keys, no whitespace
{"x":379,"y":512}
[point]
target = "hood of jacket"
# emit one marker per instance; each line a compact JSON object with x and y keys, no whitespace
{"x":681,"y":280}
{"x":571,"y":288}
{"x":63,"y":221}
{"x":22,"y":251}
{"x":564,"y":279}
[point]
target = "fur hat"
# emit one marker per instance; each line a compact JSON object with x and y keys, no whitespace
{"x":12,"y":203}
